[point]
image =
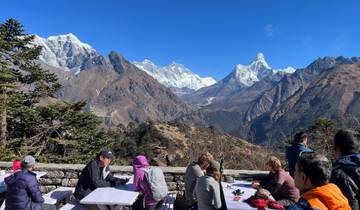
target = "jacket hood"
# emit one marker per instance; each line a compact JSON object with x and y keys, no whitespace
{"x":352,"y":160}
{"x":140,"y":161}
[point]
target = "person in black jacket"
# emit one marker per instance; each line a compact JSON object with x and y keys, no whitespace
{"x":96,"y":174}
{"x":346,"y":170}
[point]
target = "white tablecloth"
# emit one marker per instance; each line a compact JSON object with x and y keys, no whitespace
{"x":110,"y":196}
{"x":238,"y":205}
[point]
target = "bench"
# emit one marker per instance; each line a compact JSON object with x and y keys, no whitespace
{"x":168,"y":203}
{"x":58,"y":195}
{"x":70,"y":206}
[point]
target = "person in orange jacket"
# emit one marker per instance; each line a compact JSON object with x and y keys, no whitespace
{"x":312,"y":174}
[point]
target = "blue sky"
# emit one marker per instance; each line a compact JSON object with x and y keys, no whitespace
{"x":208,"y":36}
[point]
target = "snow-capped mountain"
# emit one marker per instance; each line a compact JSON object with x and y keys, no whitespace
{"x":242,"y":77}
{"x":257,"y":70}
{"x":175,"y":75}
{"x":65,"y":51}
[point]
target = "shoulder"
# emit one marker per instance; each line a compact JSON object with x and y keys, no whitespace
{"x":29,"y":176}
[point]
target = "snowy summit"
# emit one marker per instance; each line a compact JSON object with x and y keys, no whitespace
{"x":64,"y":51}
{"x":175,"y":75}
{"x":256,"y":71}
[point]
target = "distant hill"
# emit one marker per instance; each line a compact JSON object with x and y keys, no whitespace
{"x":178,"y":144}
{"x":276,"y":108}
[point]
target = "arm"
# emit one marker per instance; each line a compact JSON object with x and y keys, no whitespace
{"x":34,"y":191}
{"x":273,"y":183}
{"x":216,"y":195}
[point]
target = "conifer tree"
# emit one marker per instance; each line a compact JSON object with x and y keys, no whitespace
{"x":33,"y":121}
{"x":22,"y":80}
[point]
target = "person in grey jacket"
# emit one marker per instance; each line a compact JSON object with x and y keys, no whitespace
{"x":207,"y":188}
{"x":194,"y":171}
{"x":23,"y":191}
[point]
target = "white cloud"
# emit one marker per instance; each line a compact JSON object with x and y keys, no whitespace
{"x":271,"y":30}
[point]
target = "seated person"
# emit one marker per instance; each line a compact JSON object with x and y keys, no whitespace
{"x":193,"y":171}
{"x":207,"y":188}
{"x":23,"y":191}
{"x":312,"y":174}
{"x":96,"y":174}
{"x":346,"y":170}
{"x":279,"y":183}
{"x":146,"y":201}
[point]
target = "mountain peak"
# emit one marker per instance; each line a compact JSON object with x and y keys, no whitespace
{"x":260,"y":62}
{"x":70,"y":37}
{"x":175,"y":75}
{"x":64,"y":51}
{"x":260,"y":56}
{"x":255,"y":71}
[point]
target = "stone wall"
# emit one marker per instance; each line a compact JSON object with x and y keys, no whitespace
{"x":67,"y":175}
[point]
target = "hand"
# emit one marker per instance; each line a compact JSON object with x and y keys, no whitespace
{"x":255,"y":184}
{"x":262,"y":193}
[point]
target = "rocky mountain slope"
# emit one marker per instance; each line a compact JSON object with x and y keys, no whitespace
{"x":242,"y":77}
{"x":178,"y":144}
{"x":114,"y":88}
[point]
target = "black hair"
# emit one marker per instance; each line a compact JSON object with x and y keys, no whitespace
{"x":300,"y":137}
{"x":316,"y":167}
{"x":348,"y":141}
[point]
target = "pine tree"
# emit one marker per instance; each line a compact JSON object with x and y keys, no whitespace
{"x":22,"y":80}
{"x":33,"y":121}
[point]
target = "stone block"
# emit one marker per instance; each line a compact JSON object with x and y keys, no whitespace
{"x":169,"y":178}
{"x":46,"y":189}
{"x":179,"y":178}
{"x":180,"y":186}
{"x":69,"y":182}
{"x":55,"y":174}
{"x":71,"y":174}
{"x":47,"y":181}
{"x":172,"y":186}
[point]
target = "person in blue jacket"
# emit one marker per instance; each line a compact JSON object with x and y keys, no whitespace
{"x":23,"y":191}
{"x":298,"y":146}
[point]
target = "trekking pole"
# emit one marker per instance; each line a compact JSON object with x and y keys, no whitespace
{"x":223,"y":203}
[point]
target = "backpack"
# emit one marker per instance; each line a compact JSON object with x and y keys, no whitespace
{"x":156,"y":180}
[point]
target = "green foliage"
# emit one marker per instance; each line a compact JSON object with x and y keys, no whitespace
{"x":143,"y":139}
{"x":321,"y":136}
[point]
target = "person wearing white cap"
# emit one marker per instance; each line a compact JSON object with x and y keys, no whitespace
{"x":23,"y":191}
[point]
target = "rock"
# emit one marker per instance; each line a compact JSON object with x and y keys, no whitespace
{"x":47,"y":181}
{"x":54,"y":174}
{"x":69,"y":182}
